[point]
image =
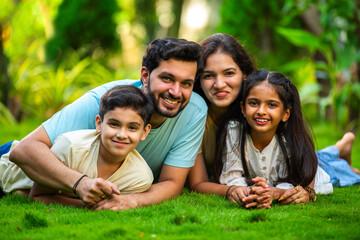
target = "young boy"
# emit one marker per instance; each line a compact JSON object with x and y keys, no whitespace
{"x":108,"y":152}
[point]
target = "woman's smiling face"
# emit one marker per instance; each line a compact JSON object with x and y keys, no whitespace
{"x":221,"y":80}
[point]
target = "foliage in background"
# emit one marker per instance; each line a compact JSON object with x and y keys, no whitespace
{"x":316,"y":43}
{"x":254,"y":24}
{"x":338,"y":45}
{"x":324,"y":65}
{"x":83,"y":25}
{"x":42,"y":90}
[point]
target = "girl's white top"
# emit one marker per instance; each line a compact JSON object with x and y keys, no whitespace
{"x":269,"y":163}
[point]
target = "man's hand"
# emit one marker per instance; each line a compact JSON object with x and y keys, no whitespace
{"x":92,"y":191}
{"x":170,"y":185}
{"x":117,"y":202}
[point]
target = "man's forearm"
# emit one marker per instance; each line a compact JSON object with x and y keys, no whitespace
{"x":159,"y":192}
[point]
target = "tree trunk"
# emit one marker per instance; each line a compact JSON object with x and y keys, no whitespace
{"x":4,"y":76}
{"x":177,"y":6}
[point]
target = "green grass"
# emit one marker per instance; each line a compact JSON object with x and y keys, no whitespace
{"x":191,"y":216}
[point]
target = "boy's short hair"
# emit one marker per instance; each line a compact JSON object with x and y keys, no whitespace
{"x":127,"y":96}
{"x":167,"y":48}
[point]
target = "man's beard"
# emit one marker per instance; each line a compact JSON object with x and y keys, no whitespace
{"x":156,"y":102}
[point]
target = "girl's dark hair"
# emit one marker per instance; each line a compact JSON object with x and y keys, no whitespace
{"x":127,"y":96}
{"x":293,"y":135}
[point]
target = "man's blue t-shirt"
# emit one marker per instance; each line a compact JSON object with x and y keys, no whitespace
{"x":175,"y":142}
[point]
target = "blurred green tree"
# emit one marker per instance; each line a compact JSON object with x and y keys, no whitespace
{"x":83,"y":25}
{"x":147,"y":15}
{"x":308,"y":40}
{"x":254,"y":24}
{"x":6,"y":10}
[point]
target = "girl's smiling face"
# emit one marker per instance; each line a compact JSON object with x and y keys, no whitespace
{"x":264,"y":110}
{"x":221,"y":80}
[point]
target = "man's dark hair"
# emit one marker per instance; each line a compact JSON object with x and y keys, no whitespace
{"x":167,"y":48}
{"x":127,"y":96}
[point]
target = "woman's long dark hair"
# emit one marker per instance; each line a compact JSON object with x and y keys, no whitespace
{"x":298,"y":147}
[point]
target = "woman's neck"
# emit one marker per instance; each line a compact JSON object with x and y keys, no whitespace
{"x":217,"y":114}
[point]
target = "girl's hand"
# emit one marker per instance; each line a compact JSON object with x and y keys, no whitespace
{"x":296,"y":195}
{"x":238,"y":194}
{"x":259,"y":194}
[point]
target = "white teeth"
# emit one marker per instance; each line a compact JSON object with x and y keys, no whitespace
{"x":261,"y":120}
{"x":220,"y":94}
{"x":171,"y":101}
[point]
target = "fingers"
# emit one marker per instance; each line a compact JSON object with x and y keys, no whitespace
{"x":297,"y":195}
{"x":238,"y":194}
{"x":258,"y":190}
{"x":259,"y":180}
{"x":114,"y":188}
{"x":254,"y":196}
{"x":117,"y":202}
{"x":92,"y":191}
{"x":287,"y":194}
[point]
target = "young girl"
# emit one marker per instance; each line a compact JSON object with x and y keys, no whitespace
{"x":270,"y":142}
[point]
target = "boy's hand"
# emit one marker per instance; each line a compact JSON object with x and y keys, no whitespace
{"x":92,"y":191}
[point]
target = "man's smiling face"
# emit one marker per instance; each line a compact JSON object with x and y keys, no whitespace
{"x":170,"y":86}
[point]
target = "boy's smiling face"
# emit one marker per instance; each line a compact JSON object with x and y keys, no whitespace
{"x":121,"y":130}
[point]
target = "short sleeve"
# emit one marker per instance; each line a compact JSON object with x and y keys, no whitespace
{"x":81,"y":113}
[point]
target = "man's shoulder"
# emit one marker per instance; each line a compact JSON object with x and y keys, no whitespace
{"x":106,"y":86}
{"x":196,"y":104}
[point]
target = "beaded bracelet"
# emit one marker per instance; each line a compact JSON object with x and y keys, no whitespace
{"x":77,"y":183}
{"x":226,"y":195}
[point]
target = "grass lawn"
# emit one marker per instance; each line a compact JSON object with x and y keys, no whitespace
{"x":190,"y":216}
